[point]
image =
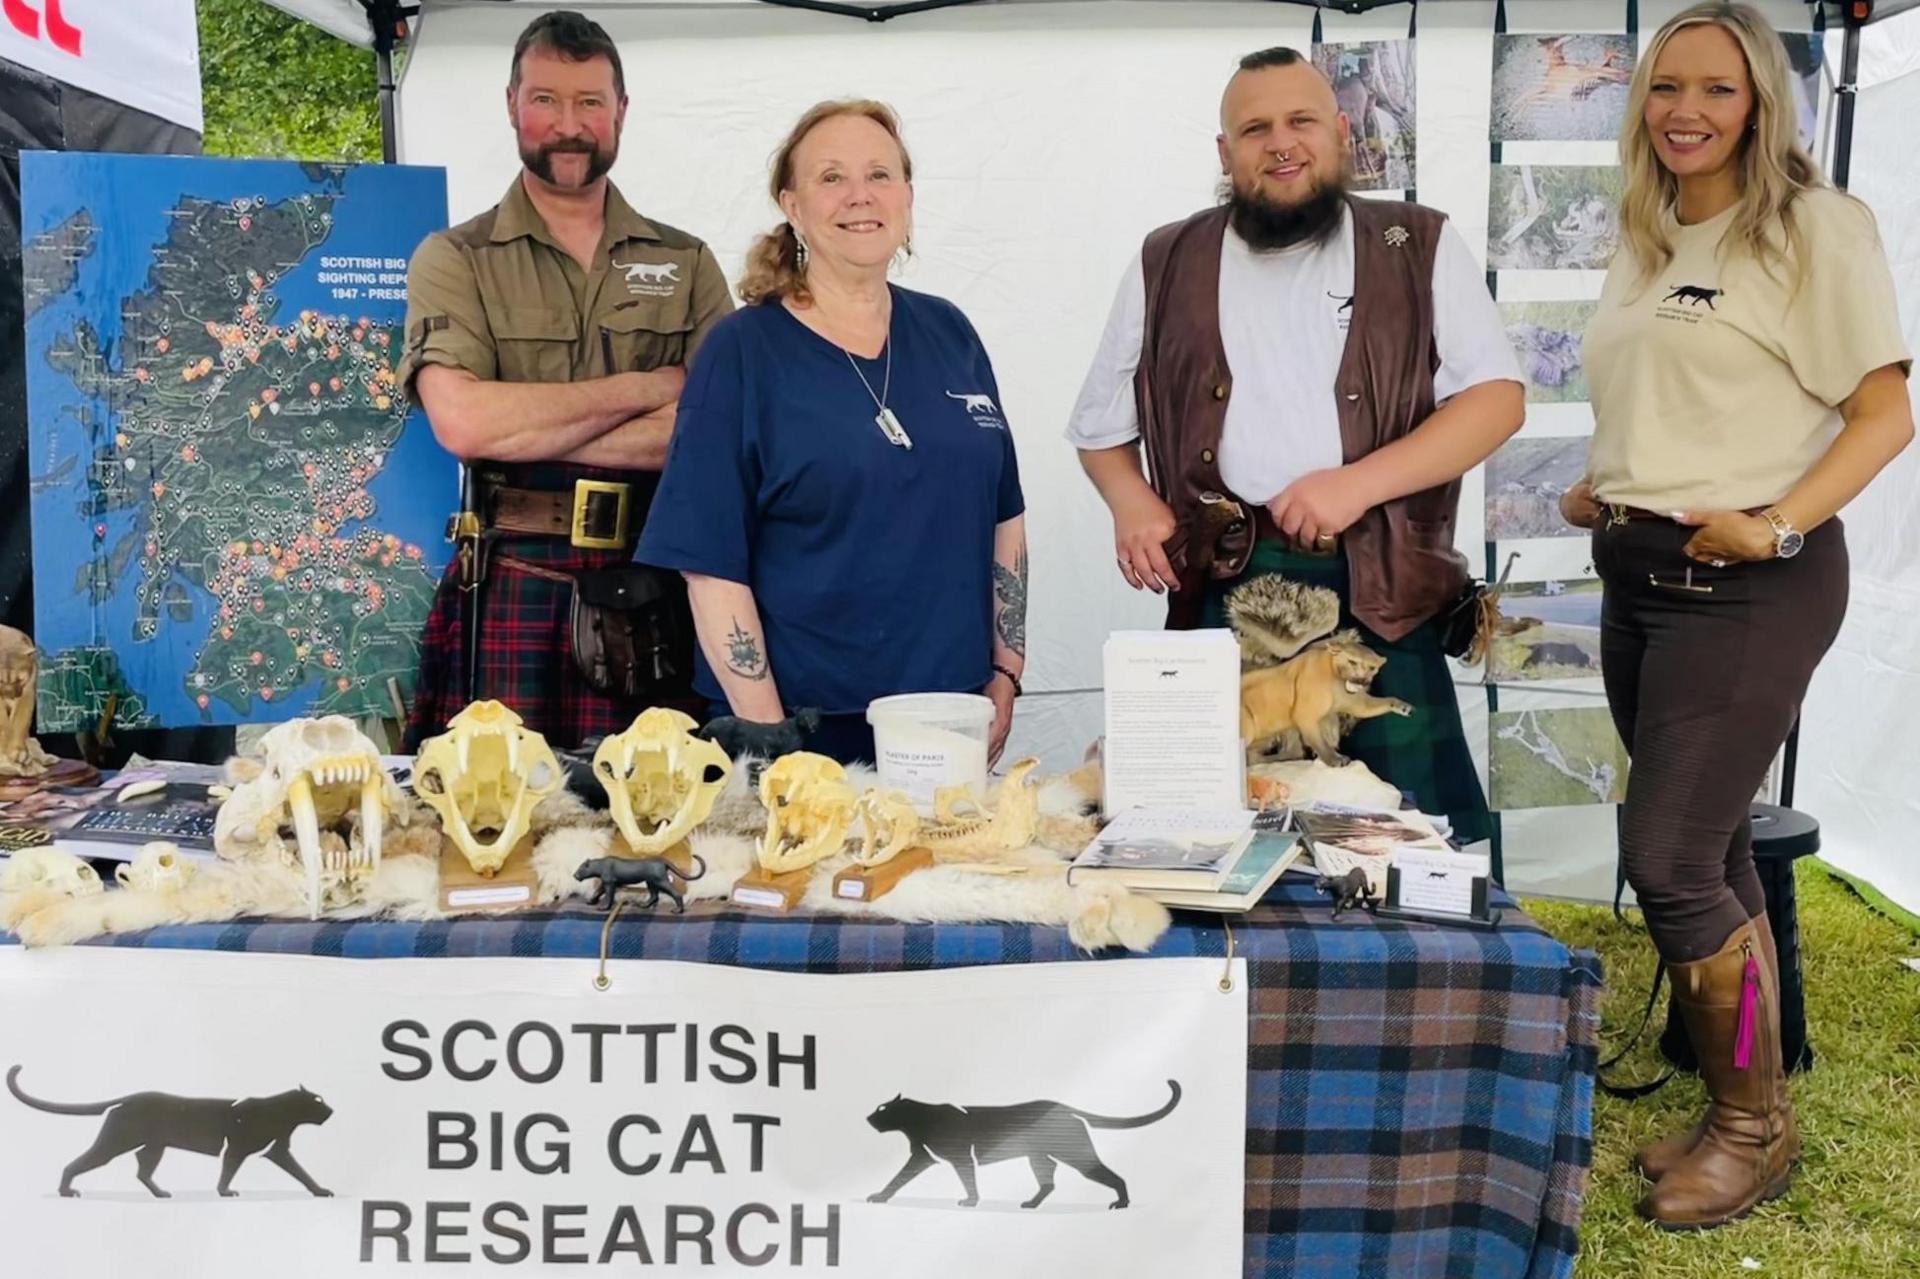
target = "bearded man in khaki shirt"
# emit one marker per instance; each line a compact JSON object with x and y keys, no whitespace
{"x":547,"y":340}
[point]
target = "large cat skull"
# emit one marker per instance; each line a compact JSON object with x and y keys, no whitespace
{"x":661,"y":781}
{"x":315,"y":774}
{"x":485,"y":775}
{"x":809,"y":808}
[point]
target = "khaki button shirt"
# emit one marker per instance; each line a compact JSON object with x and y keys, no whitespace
{"x":499,"y":297}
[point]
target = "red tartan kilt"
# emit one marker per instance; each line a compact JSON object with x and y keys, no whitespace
{"x":526,"y":652}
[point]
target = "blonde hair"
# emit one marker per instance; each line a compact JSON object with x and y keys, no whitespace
{"x":773,"y":263}
{"x":1775,"y":170}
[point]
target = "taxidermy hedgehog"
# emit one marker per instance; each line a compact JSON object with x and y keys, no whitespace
{"x":1274,"y":617}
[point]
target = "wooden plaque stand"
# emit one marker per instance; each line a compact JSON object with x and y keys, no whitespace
{"x":870,"y":883}
{"x":463,"y":890}
{"x":766,"y":891}
{"x":62,"y":772}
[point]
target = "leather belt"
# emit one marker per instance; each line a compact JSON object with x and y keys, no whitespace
{"x":594,"y":514}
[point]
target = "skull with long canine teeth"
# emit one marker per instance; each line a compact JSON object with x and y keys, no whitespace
{"x":809,"y":808}
{"x":485,"y":775}
{"x":316,"y":775}
{"x":661,"y":781}
{"x":888,"y":825}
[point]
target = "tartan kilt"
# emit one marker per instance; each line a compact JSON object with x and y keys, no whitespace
{"x":526,"y":651}
{"x":1423,"y":754}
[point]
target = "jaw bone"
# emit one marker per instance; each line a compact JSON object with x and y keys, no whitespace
{"x":809,"y":808}
{"x":484,"y":776}
{"x":661,"y":781}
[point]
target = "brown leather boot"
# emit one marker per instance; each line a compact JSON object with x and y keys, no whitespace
{"x":1730,"y":1005}
{"x":1655,"y":1160}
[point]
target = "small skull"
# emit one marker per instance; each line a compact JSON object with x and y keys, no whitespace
{"x":51,"y":870}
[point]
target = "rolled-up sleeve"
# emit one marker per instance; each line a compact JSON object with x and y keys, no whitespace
{"x":1104,"y":416}
{"x":446,"y":320}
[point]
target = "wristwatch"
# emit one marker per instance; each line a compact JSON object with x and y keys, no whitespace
{"x":1011,"y":677}
{"x":1787,"y":540}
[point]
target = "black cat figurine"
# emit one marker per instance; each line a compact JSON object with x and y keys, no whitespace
{"x":616,"y":873}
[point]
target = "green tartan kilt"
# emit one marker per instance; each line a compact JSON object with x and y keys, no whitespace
{"x":1423,"y":754}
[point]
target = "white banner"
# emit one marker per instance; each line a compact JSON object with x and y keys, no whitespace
{"x":145,"y":53}
{"x":320,"y":1117}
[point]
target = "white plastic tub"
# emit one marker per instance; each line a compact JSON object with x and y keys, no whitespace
{"x":923,"y":741}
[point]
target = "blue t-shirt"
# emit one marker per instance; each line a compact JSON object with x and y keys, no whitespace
{"x":871,"y":564}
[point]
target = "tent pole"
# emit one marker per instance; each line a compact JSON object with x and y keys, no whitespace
{"x":387,"y":19}
{"x":1848,"y":91}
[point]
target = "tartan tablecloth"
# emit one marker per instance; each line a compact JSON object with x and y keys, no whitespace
{"x":1419,"y":1098}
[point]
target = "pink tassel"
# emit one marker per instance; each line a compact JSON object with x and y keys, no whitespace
{"x":1749,"y":1014}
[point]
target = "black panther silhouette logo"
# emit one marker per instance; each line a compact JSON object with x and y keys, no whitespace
{"x":1692,"y":294}
{"x":154,"y":1122}
{"x":1041,"y":1132}
{"x":1345,"y":300}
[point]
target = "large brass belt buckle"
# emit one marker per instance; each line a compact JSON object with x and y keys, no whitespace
{"x":600,"y":514}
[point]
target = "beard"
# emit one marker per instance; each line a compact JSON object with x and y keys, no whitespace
{"x":539,"y":160}
{"x":1267,"y":224}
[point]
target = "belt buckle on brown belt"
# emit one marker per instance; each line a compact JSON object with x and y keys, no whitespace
{"x":600,"y":510}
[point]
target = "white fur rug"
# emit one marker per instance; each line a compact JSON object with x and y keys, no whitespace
{"x":407,"y":885}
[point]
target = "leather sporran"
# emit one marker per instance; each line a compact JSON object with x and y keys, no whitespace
{"x":632,"y":631}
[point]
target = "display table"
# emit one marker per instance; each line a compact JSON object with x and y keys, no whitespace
{"x":1419,"y":1097}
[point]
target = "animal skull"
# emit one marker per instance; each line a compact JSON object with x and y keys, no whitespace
{"x":317,"y":775}
{"x":485,"y":775}
{"x":809,"y":808}
{"x":660,"y":780}
{"x":49,"y":869}
{"x":888,"y":824}
{"x":157,"y":868}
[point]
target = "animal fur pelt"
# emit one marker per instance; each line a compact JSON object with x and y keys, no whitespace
{"x":1274,"y":617}
{"x":406,"y":886}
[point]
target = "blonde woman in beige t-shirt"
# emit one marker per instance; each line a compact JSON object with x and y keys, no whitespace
{"x":1748,"y":380}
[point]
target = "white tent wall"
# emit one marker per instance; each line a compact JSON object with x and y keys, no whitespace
{"x":1859,"y":764}
{"x":1048,"y":138}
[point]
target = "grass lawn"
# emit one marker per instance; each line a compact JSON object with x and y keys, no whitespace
{"x":1854,"y":1210}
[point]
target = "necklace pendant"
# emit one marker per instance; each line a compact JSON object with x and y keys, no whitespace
{"x":890,"y":427}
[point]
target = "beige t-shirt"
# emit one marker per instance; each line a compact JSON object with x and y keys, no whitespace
{"x":1715,"y":385}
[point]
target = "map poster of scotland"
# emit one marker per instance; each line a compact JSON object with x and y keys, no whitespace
{"x":237,"y":515}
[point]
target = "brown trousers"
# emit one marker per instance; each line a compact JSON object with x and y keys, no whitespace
{"x":1704,"y":680}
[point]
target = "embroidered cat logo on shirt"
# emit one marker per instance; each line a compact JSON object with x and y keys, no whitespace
{"x":1693,"y":294}
{"x":975,"y":403}
{"x":650,"y":279}
{"x":1342,"y":314}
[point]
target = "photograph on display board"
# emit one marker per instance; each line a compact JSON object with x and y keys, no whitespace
{"x":1546,"y":336}
{"x":1562,"y":88}
{"x":1373,"y":82}
{"x":1806,"y":51}
{"x":1555,"y":759}
{"x":1553,"y":217}
{"x":1525,"y":481}
{"x":237,"y":515}
{"x":1548,"y":630}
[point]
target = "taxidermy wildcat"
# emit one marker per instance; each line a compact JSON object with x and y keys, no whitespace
{"x":1274,"y":617}
{"x":154,"y":1122}
{"x":1307,"y":703}
{"x":1041,"y":1132}
{"x":616,"y":873}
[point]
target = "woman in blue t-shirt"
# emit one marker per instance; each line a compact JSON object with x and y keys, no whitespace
{"x":841,"y":493}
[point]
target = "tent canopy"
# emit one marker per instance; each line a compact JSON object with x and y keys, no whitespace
{"x":348,"y":19}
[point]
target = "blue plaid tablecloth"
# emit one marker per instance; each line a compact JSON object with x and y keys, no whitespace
{"x":1419,"y":1098}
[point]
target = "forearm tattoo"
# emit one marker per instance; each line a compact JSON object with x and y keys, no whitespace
{"x":744,"y":657}
{"x":1010,"y":596}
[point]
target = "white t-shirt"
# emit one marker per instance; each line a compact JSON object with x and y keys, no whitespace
{"x":1283,"y":322}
